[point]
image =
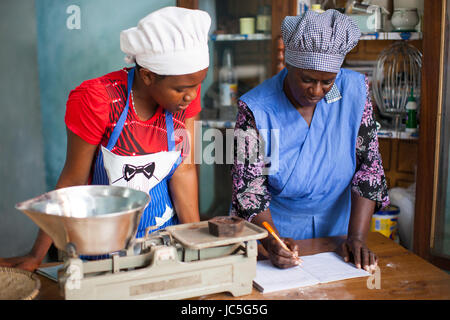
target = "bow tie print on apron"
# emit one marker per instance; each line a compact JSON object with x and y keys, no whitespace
{"x":129,"y":171}
{"x":138,"y":172}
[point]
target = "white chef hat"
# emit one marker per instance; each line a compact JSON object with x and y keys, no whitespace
{"x":169,"y":41}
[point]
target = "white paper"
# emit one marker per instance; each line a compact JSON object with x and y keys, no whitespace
{"x":329,"y":266}
{"x":319,"y":268}
{"x":270,"y":278}
{"x":50,"y":272}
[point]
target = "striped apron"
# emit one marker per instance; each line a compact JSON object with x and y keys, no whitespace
{"x":149,"y":173}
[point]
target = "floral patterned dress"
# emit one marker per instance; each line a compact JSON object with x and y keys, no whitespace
{"x":250,"y":194}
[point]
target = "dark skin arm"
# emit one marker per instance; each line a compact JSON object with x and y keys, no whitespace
{"x":354,"y":248}
{"x":76,"y":171}
{"x":80,"y":155}
{"x":279,"y":256}
{"x":184,"y":183}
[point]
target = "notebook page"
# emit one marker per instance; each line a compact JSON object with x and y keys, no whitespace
{"x":50,"y":272}
{"x":329,"y":266}
{"x":270,"y":278}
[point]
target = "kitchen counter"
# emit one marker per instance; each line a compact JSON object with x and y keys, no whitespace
{"x":402,"y":275}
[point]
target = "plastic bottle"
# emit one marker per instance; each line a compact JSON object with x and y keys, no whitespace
{"x":317,"y":8}
{"x":263,"y":19}
{"x":411,"y":114}
{"x":227,"y":81}
{"x":303,"y":6}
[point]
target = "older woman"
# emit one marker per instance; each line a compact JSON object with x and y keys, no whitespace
{"x":314,"y":122}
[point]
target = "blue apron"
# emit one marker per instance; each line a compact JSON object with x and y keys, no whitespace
{"x":311,"y":166}
{"x":160,"y":199}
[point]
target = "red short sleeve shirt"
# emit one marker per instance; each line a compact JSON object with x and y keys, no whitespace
{"x":94,"y":107}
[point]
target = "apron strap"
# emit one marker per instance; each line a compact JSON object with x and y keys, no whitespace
{"x":119,"y":126}
{"x":171,"y":142}
{"x":170,"y":132}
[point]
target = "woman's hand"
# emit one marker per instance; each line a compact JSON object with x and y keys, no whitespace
{"x":27,"y":262}
{"x":354,"y":248}
{"x":356,"y":251}
{"x":279,"y":256}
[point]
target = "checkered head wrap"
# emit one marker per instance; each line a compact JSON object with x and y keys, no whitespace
{"x":319,"y":41}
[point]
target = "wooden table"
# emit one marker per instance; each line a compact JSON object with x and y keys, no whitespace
{"x":404,"y":275}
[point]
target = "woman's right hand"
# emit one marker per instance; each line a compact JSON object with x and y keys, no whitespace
{"x":279,"y":256}
{"x":27,"y":262}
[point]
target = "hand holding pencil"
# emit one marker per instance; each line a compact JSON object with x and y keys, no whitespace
{"x":294,"y":254}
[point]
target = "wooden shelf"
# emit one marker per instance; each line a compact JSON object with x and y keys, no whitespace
{"x":392,"y":134}
{"x":364,"y":36}
{"x":218,"y":124}
{"x":240,"y":37}
{"x":391,"y":36}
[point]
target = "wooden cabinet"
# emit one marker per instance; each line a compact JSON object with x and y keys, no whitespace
{"x":399,"y":156}
{"x":279,"y":9}
{"x":435,"y":39}
{"x":399,"y":161}
{"x":405,"y":161}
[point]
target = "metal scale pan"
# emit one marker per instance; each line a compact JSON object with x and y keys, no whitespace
{"x":95,"y":219}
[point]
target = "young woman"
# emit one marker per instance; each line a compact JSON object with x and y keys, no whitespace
{"x":131,"y":127}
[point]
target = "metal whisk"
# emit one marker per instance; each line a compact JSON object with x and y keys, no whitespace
{"x":396,"y":76}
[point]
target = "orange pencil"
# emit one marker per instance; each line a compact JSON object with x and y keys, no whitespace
{"x":272,"y":232}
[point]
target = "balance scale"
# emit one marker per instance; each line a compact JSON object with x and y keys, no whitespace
{"x":178,"y":262}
